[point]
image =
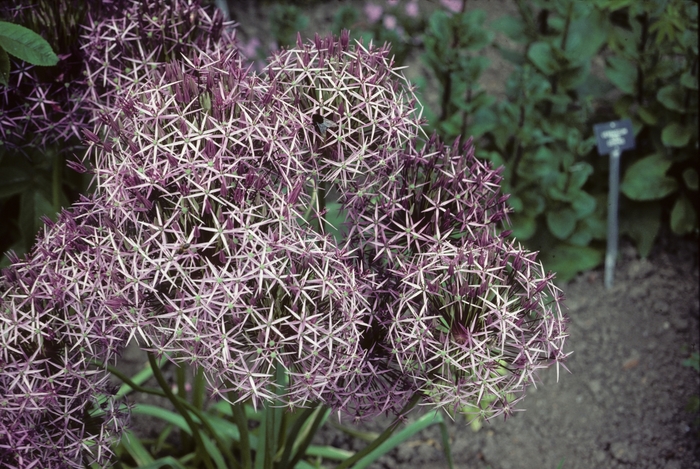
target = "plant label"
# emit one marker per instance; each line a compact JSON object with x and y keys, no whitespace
{"x":614,"y":135}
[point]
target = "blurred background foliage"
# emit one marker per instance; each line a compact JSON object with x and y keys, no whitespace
{"x":574,"y":64}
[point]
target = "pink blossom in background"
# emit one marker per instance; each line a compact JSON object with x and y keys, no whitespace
{"x":452,"y":5}
{"x":373,"y":12}
{"x":412,"y":9}
{"x":249,"y":49}
{"x":390,"y":22}
{"x":392,"y":2}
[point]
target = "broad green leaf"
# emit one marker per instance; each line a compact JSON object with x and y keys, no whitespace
{"x":579,"y":173}
{"x":585,"y":146}
{"x":689,"y":81}
{"x":672,"y":97}
{"x":585,"y":37}
{"x":534,"y":203}
{"x":439,"y":23}
{"x":690,"y":177}
{"x":568,"y":260}
{"x":583,"y":204}
{"x":542,"y":56}
{"x":26,"y":45}
{"x":646,"y":179}
{"x":4,"y":67}
{"x":523,"y":226}
{"x":614,"y":5}
{"x":590,"y":228}
{"x":676,"y":135}
{"x":561,"y":223}
{"x":573,"y":77}
{"x":582,"y":236}
{"x":511,"y":26}
{"x":471,"y":34}
{"x":683,"y":217}
{"x":622,"y":73}
{"x":516,"y":203}
{"x":641,"y":222}
{"x":647,"y":116}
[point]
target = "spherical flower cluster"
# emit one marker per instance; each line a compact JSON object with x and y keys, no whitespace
{"x":101,"y":45}
{"x":56,"y":407}
{"x":227,"y":178}
{"x":295,"y":221}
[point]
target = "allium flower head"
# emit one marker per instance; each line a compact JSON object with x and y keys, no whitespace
{"x":216,"y":176}
{"x":45,"y":105}
{"x":122,"y":48}
{"x":54,"y":321}
{"x":209,"y":239}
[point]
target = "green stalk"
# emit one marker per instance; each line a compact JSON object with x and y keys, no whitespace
{"x":136,"y":387}
{"x":241,"y":422}
{"x":181,"y":380}
{"x":270,"y":442}
{"x":321,"y":415}
{"x":381,"y":438}
{"x":203,"y":455}
{"x":57,"y":182}
{"x":199,"y":389}
{"x":291,"y":438}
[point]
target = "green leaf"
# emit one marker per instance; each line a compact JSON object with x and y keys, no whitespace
{"x":614,"y":5}
{"x":471,"y":34}
{"x":579,"y":173}
{"x":439,"y":23}
{"x":15,"y":178}
{"x":135,"y":448}
{"x":573,"y":77}
{"x":167,"y":462}
{"x":4,"y":67}
{"x":689,"y":81}
{"x":622,"y":73}
{"x":523,"y":226}
{"x":690,"y":177}
{"x":672,"y":97}
{"x":585,"y":146}
{"x":26,"y":45}
{"x":647,"y":116}
{"x":567,"y":260}
{"x":641,"y":222}
{"x":646,"y":179}
{"x":33,"y":205}
{"x":395,"y":440}
{"x":684,"y":220}
{"x":542,"y":56}
{"x":511,"y":26}
{"x":676,"y":135}
{"x":583,"y":204}
{"x":586,"y":36}
{"x":561,"y":223}
{"x":179,"y":421}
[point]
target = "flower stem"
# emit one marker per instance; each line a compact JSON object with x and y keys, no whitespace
{"x":241,"y":422}
{"x":381,"y":438}
{"x":182,"y":411}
